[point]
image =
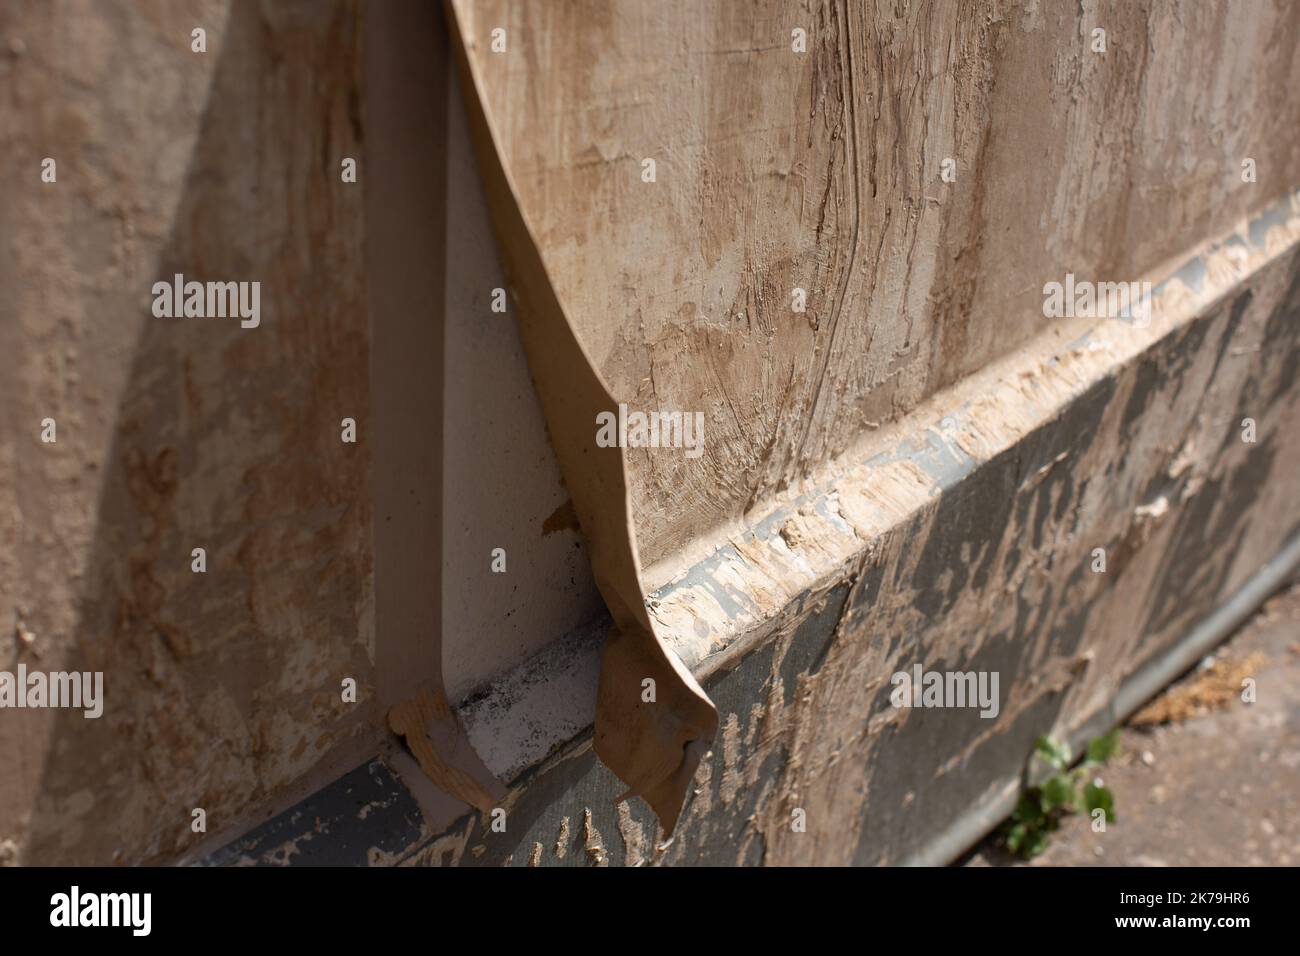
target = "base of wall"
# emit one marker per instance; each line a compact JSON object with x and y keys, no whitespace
{"x":1082,"y":520}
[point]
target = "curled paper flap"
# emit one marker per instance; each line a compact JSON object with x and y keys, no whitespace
{"x":654,"y":745}
{"x":438,"y":743}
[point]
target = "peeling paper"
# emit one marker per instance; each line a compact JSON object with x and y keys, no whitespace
{"x":653,"y":747}
{"x":431,"y":733}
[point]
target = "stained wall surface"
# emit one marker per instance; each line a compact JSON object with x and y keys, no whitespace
{"x":224,"y":689}
{"x":774,"y":170}
{"x":963,"y":540}
{"x":221,"y":688}
{"x":777,"y":170}
{"x":972,"y":533}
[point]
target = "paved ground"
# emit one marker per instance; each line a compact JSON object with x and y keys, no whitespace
{"x":1217,"y":786}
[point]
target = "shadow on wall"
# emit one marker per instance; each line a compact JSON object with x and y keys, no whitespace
{"x":223,"y":687}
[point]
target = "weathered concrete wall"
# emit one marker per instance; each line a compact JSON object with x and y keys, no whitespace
{"x":778,"y":170}
{"x":222,"y":688}
{"x":982,"y":460}
{"x":961,"y":539}
{"x":972,"y":529}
